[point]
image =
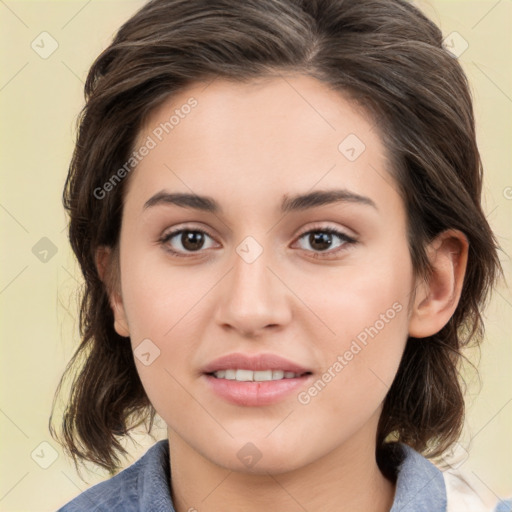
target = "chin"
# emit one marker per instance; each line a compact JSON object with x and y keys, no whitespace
{"x":261,"y":456}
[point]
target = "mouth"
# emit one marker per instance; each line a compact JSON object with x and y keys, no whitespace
{"x":254,"y":380}
{"x":243,"y":375}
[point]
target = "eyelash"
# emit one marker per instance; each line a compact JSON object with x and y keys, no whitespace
{"x":166,"y":237}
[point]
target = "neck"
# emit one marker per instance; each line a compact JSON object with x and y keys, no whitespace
{"x":346,"y":479}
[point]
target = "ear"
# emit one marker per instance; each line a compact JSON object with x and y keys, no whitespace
{"x":435,"y":301}
{"x":107,"y":268}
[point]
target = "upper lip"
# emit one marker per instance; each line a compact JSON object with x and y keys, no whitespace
{"x":253,"y":362}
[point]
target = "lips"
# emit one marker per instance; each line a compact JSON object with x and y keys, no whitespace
{"x":256,"y":380}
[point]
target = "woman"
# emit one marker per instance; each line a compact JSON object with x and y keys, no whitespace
{"x":276,"y":208}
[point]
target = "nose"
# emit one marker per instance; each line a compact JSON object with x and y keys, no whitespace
{"x":253,"y":298}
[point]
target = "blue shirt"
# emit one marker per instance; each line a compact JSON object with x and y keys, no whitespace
{"x":144,"y":486}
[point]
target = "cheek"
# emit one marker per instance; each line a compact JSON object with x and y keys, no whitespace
{"x":158,"y":297}
{"x":360,"y":301}
{"x":165,"y":307}
{"x":365,"y":310}
{"x":360,"y":363}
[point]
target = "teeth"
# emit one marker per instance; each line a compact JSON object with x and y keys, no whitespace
{"x":244,"y":375}
{"x":230,"y":374}
{"x":254,"y":376}
{"x":263,"y":375}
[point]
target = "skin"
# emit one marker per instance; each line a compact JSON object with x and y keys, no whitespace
{"x":248,"y":146}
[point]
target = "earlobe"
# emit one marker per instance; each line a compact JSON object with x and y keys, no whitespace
{"x":106,"y":268}
{"x":120,"y":322}
{"x":435,"y":300}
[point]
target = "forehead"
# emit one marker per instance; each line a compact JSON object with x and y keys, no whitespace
{"x":250,"y":141}
{"x":275,"y":108}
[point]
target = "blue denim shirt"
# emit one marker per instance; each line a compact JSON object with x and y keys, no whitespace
{"x":144,"y":486}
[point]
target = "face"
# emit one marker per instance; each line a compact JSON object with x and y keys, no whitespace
{"x":254,"y":283}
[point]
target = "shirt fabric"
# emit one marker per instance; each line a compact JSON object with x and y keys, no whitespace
{"x":144,"y":486}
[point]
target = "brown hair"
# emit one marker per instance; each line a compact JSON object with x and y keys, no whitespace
{"x":390,"y":59}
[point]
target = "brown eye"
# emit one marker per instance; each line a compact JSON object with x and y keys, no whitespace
{"x":183,"y":241}
{"x":192,"y":240}
{"x":321,"y":240}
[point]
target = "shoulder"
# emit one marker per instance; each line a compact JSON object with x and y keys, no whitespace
{"x":422,"y":486}
{"x":142,"y":486}
{"x":466,"y":493}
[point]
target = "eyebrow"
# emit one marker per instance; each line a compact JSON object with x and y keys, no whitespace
{"x":295,"y":203}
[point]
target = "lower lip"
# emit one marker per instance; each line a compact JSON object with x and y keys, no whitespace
{"x":253,"y":394}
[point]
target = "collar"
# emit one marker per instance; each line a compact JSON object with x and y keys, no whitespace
{"x":420,"y":485}
{"x":145,"y":485}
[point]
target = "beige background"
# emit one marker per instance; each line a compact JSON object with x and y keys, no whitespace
{"x":39,"y":102}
